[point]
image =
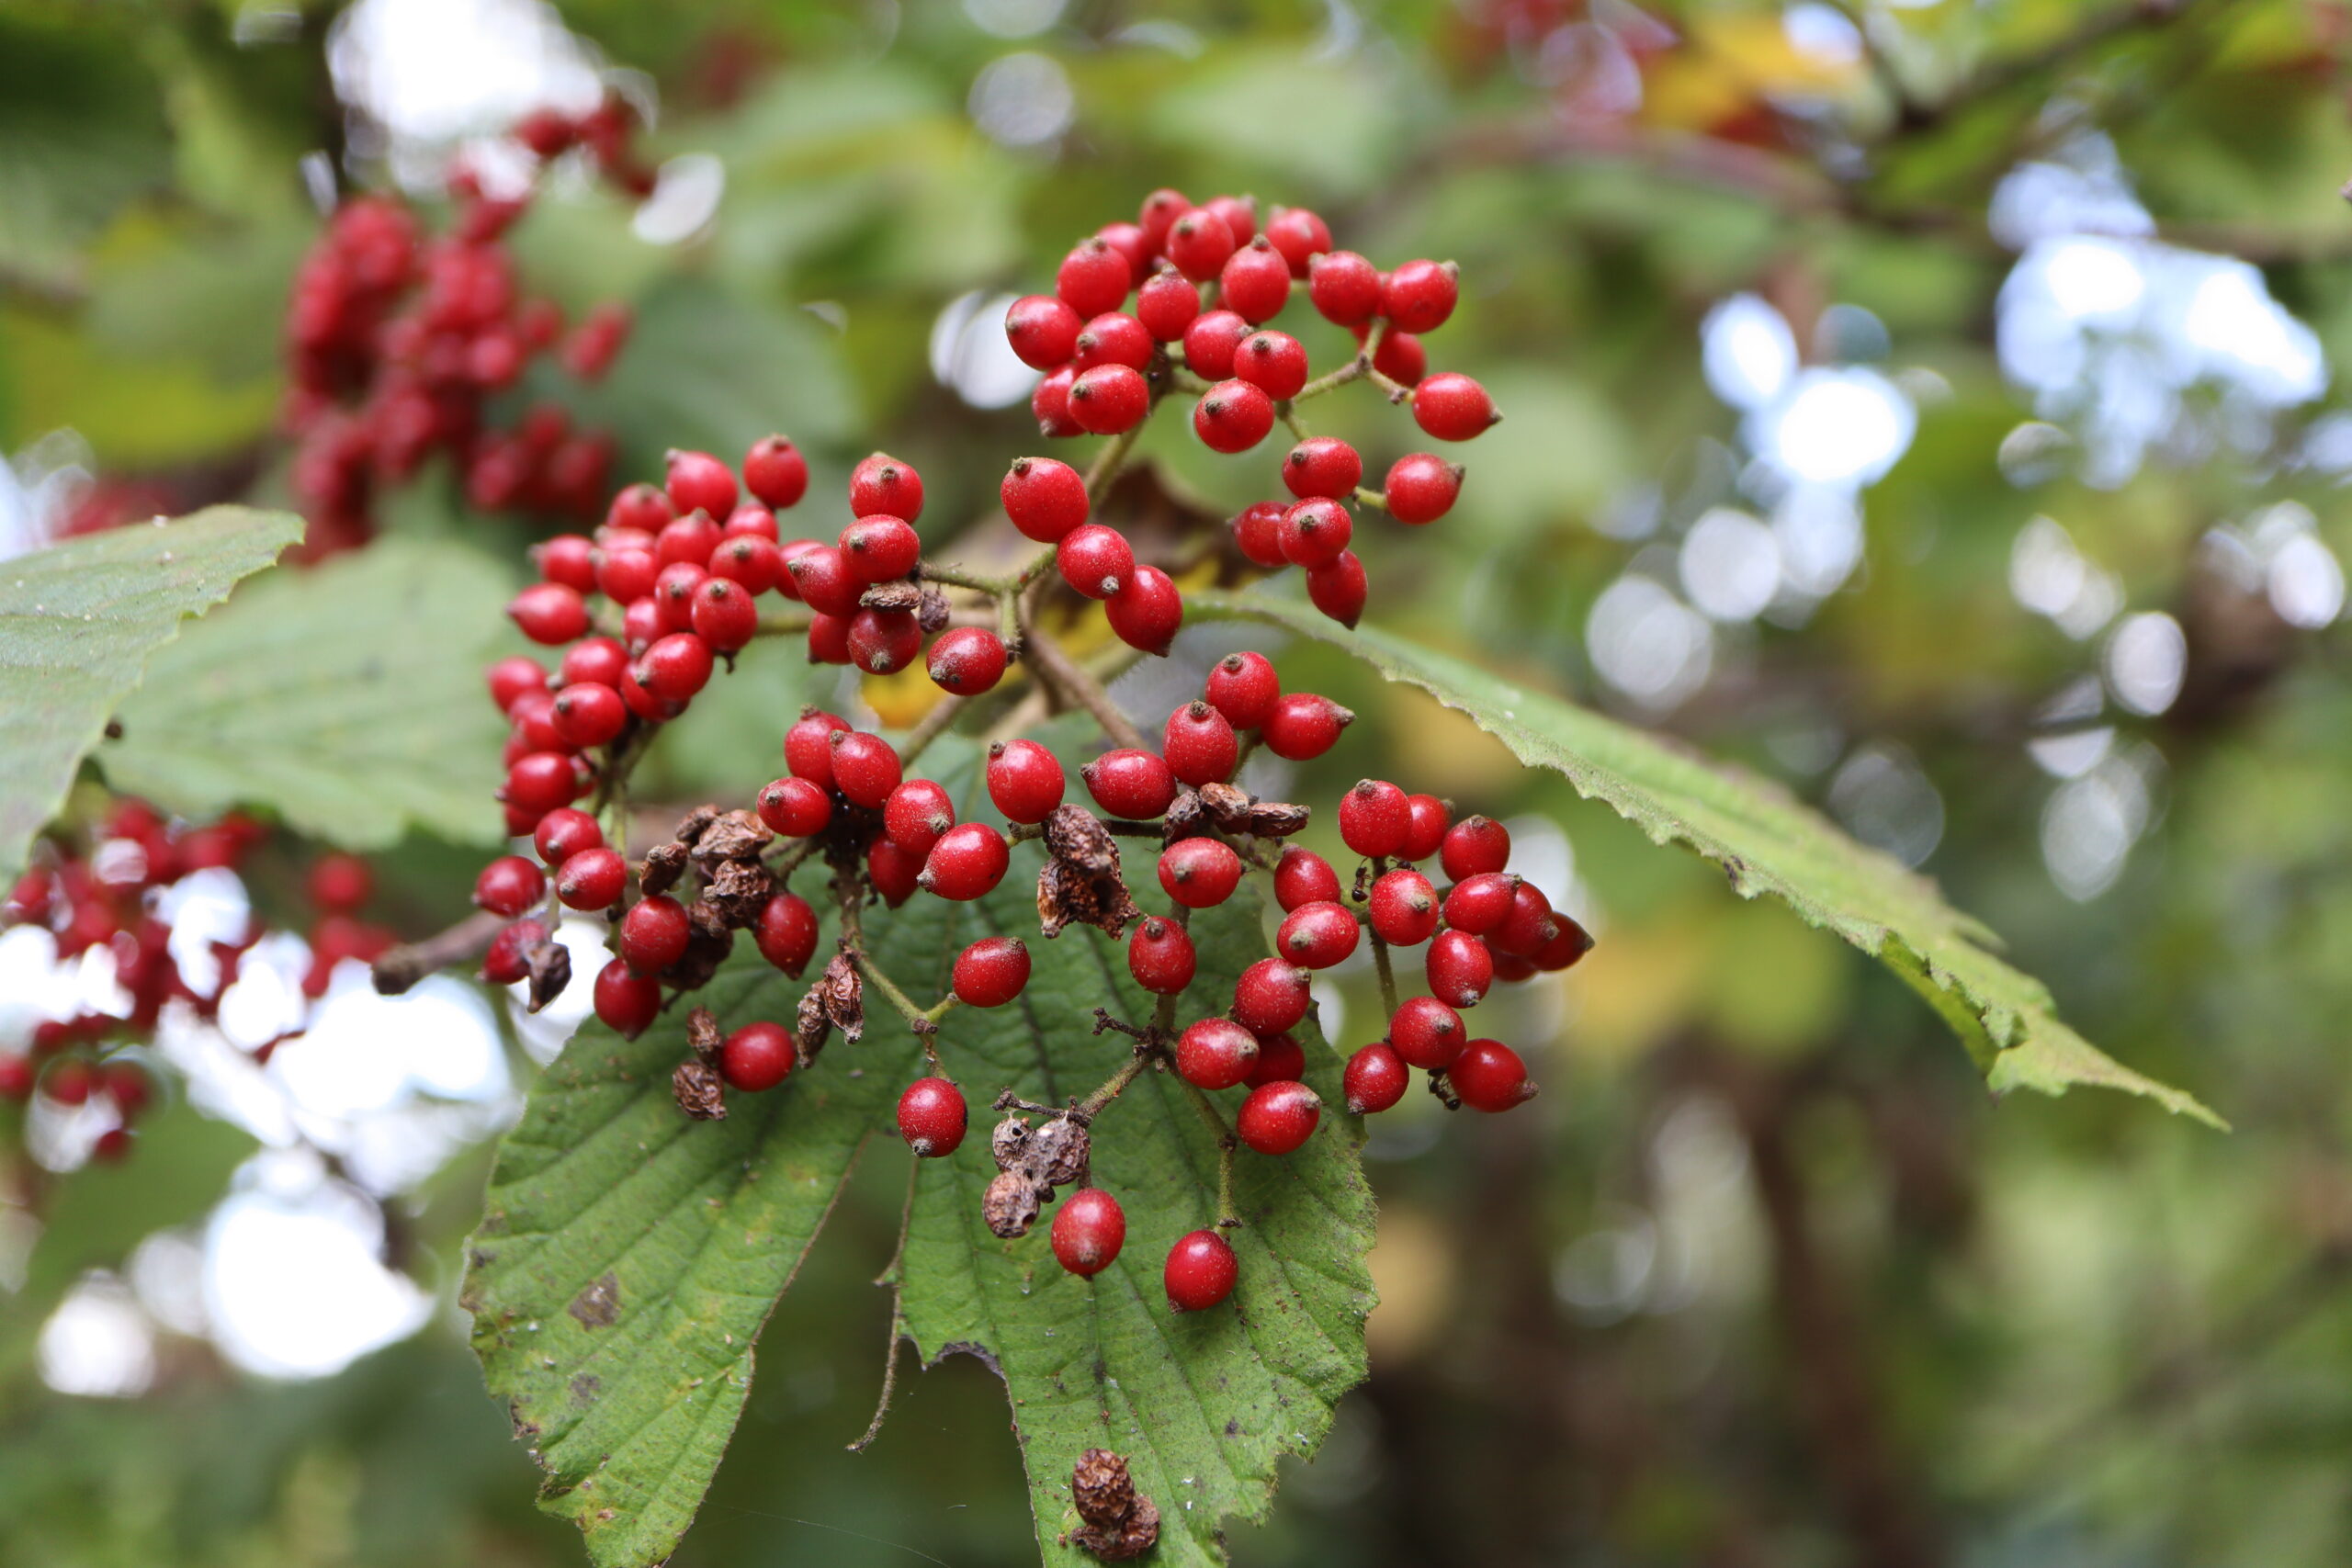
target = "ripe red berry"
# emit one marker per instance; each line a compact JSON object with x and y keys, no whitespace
{"x":1478,"y":904}
{"x":1233,"y":416}
{"x":1199,"y":874}
{"x":1403,"y":910}
{"x":654,"y":934}
{"x":884,"y":485}
{"x":568,"y":558}
{"x":1473,"y":845}
{"x":1343,"y":288}
{"x":865,"y":768}
{"x":879,"y":547}
{"x":690,"y":539}
{"x":1528,"y":925}
{"x":697,"y":480}
{"x":593,"y":879}
{"x":1374,"y":819}
{"x":1128,"y":239}
{"x":1419,"y":295}
{"x":1216,"y":1053}
{"x":1338,"y":588}
{"x":534,"y":725}
{"x":1460,"y":968}
{"x":1130,"y":782}
{"x":808,"y":747}
{"x":795,"y":808}
{"x":338,"y":884}
{"x":916,"y":814}
{"x":966,"y":863}
{"x":596,"y":661}
{"x":1045,"y":499}
{"x":1426,"y":1033}
{"x":1511,"y":968}
{"x":513,"y":677}
{"x":1271,"y":997}
{"x":1114,"y":338}
{"x":539,"y":783}
{"x":724,"y":616}
{"x":1317,"y":935}
{"x":932,"y":1117}
{"x":642,"y":507}
{"x":1422,"y":487}
{"x":1095,"y":560}
{"x":1094,"y":278}
{"x":991,"y":971}
{"x":1315,"y":532}
{"x":1109,"y":398}
{"x":758,"y":1056}
{"x":882,"y":642}
{"x":1089,"y":1232}
{"x":1161,"y":956}
{"x":1255,"y":282}
{"x":1569,"y":942}
{"x":1050,"y":405}
{"x":1243,"y":687}
{"x":1198,"y":243}
{"x":1199,"y":744}
{"x":1274,"y":362}
{"x":1400,"y":357}
{"x":1041,"y":330}
{"x":1488,"y":1075}
{"x":625,"y":573}
{"x":786,"y":932}
{"x":1323,"y":465}
{"x":1279,"y":1117}
{"x":626,"y":1003}
{"x":1161,"y":209}
{"x":1452,"y":407}
{"x":509,"y":885}
{"x":1024,"y":780}
{"x":1430,"y":819}
{"x":16,"y":1077}
{"x":673,"y":596}
{"x":1257,"y":534}
{"x":894,"y":873}
{"x":776,"y":471}
{"x":563,"y":833}
{"x":1201,"y":1272}
{"x":967,"y":661}
{"x":1299,"y":235}
{"x":1302,"y":877}
{"x":69,"y":1082}
{"x":1280,"y":1060}
{"x":750,"y":560}
{"x":750,"y":520}
{"x":1374,"y":1079}
{"x":1210,"y":343}
{"x":509,"y":957}
{"x":675,"y":667}
{"x":1149,"y":611}
{"x":1303,"y":726}
{"x":1240,"y":215}
{"x":1167,"y":304}
{"x":549,"y":613}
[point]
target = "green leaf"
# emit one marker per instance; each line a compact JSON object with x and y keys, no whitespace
{"x":347,"y":698}
{"x":77,"y":624}
{"x":628,"y":1257}
{"x":1766,"y":843}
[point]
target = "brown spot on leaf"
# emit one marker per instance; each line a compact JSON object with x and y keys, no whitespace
{"x":598,"y":1305}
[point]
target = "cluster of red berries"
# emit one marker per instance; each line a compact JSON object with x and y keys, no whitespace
{"x":104,"y":897}
{"x":397,"y":344}
{"x":1205,"y":282}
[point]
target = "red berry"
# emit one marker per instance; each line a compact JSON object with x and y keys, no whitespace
{"x":509,"y":885}
{"x":1240,"y":215}
{"x":1257,"y":532}
{"x":690,"y":539}
{"x":1473,"y":845}
{"x":1201,"y":1272}
{"x":1045,"y":499}
{"x":1315,"y":532}
{"x":808,"y":746}
{"x":1303,"y":726}
{"x":1024,"y":780}
{"x":879,"y":547}
{"x":1460,"y":968}
{"x":642,"y":507}
{"x":514,"y":677}
{"x":1512,"y":968}
{"x":128,"y":1087}
{"x":549,"y":613}
{"x":795,"y":808}
{"x":1271,"y":997}
{"x":1050,"y":405}
{"x":1216,"y":1053}
{"x":1419,"y":295}
{"x":1299,"y":235}
{"x":1374,"y":819}
{"x":676,"y":667}
{"x":758,"y":1056}
{"x":1109,"y":398}
{"x":654,"y":934}
{"x":1200,"y":745}
{"x":1095,"y":560}
{"x":1255,"y":283}
{"x":894,"y":873}
{"x":865,"y":768}
{"x":1374,"y":1079}
{"x":1161,"y":956}
{"x":1089,"y":1232}
{"x":596,"y":661}
{"x":625,"y":573}
{"x":568,"y":558}
{"x":1093,"y":278}
{"x":787,"y":933}
{"x":1129,"y":240}
{"x":1232,"y":416}
{"x":1130,"y":782}
{"x":540,"y":782}
{"x":339,"y":884}
{"x":916,"y":814}
{"x":16,"y":1077}
{"x":882,"y":642}
{"x":1426,"y":1033}
{"x":593,"y":879}
{"x":1041,"y":330}
{"x":1279,"y":1117}
{"x":1338,"y":588}
{"x":1167,"y":304}
{"x":991,"y":971}
{"x":1210,"y":343}
{"x":626,"y":1002}
{"x":886,"y":486}
{"x":1243,"y":687}
{"x":1317,"y":935}
{"x":1302,"y":877}
{"x":1274,"y":362}
{"x":776,"y":471}
{"x":1161,"y":209}
{"x":1478,"y":904}
{"x":1430,"y":819}
{"x":697,"y":480}
{"x":966,"y":863}
{"x":1149,"y":611}
{"x":563,"y":833}
{"x":509,"y":957}
{"x":1400,"y":357}
{"x":1452,"y":407}
{"x":1199,"y":874}
{"x":1488,"y":1075}
{"x":673,"y":594}
{"x":724,"y":616}
{"x":1324,"y":466}
{"x":1527,"y":926}
{"x":534,"y":725}
{"x":750,"y":560}
{"x":933,"y":1118}
{"x":1343,"y":288}
{"x":1422,"y":487}
{"x":1114,"y":338}
{"x":1569,"y":942}
{"x":967,"y":662}
{"x":1403,"y":910}
{"x":1280,"y":1060}
{"x":827,"y":638}
{"x":1198,"y":243}
{"x":825,"y":581}
{"x":69,"y":1082}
